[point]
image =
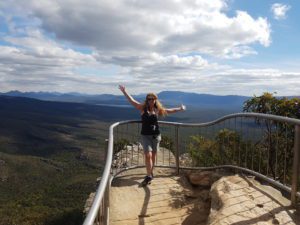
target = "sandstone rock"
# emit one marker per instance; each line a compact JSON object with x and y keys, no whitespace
{"x":185,"y":160}
{"x":203,"y":178}
{"x":161,"y":203}
{"x":240,"y":200}
{"x":89,"y":203}
{"x":172,"y":200}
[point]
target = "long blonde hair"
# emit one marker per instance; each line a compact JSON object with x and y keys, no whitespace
{"x":161,"y":109}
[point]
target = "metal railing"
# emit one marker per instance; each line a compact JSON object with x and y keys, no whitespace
{"x":264,"y":145}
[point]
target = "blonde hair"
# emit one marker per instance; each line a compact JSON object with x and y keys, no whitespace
{"x":157,"y":105}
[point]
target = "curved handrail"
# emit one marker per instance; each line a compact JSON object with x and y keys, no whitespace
{"x":90,"y":218}
{"x":230,"y":116}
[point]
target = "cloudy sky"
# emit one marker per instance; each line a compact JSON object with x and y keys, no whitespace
{"x":205,"y":46}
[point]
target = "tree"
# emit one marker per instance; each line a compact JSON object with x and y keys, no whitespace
{"x":269,"y":152}
{"x":228,"y":144}
{"x":202,"y":151}
{"x":267,"y":103}
{"x":279,"y":137}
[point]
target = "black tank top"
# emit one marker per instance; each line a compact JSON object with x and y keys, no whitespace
{"x":149,"y":124}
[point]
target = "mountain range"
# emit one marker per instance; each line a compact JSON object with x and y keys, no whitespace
{"x":168,"y":98}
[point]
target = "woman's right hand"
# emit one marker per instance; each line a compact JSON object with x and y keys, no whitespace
{"x":183,"y":107}
{"x":122,"y":88}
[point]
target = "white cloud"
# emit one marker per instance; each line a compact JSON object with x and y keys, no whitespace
{"x":213,"y":79}
{"x":35,"y":62}
{"x":154,"y":45}
{"x":119,"y":27}
{"x":279,"y":10}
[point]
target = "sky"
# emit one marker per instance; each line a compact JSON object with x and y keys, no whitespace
{"x":222,"y":47}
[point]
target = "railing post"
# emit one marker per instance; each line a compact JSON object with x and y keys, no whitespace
{"x":103,"y":215}
{"x":295,"y":175}
{"x":177,"y":149}
{"x":106,"y":148}
{"x":107,"y":202}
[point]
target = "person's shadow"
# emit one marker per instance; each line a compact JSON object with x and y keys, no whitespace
{"x":125,"y":182}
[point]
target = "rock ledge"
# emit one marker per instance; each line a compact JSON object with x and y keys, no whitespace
{"x":241,"y":200}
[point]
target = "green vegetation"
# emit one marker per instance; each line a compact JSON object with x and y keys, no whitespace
{"x":120,"y":145}
{"x":267,"y":103}
{"x":271,"y":153}
{"x":35,"y":190}
{"x":281,"y":137}
{"x":49,"y":162}
{"x":168,"y":143}
{"x":223,"y":149}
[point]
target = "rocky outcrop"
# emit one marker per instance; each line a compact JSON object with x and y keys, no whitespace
{"x":89,"y":203}
{"x":238,"y":200}
{"x":203,"y":178}
{"x":130,"y":155}
{"x":185,"y":159}
{"x":171,"y":199}
{"x":133,"y":155}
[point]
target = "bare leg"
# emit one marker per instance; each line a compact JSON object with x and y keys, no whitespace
{"x":148,"y":161}
{"x":153,"y":161}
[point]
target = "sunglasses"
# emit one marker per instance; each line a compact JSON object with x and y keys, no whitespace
{"x":150,"y":99}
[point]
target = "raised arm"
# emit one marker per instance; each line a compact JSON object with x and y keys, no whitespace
{"x":132,"y":101}
{"x":174,"y":110}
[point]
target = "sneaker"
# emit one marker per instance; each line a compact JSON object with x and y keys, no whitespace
{"x":147,"y":180}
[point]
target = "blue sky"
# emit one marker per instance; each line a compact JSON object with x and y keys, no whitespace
{"x":218,"y":47}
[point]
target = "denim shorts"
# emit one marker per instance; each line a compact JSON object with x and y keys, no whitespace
{"x":151,"y":142}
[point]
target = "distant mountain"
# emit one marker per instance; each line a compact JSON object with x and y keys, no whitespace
{"x":116,"y":109}
{"x":168,"y":98}
{"x":203,"y":100}
{"x":10,"y":105}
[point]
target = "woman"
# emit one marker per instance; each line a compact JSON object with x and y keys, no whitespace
{"x":150,"y":110}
